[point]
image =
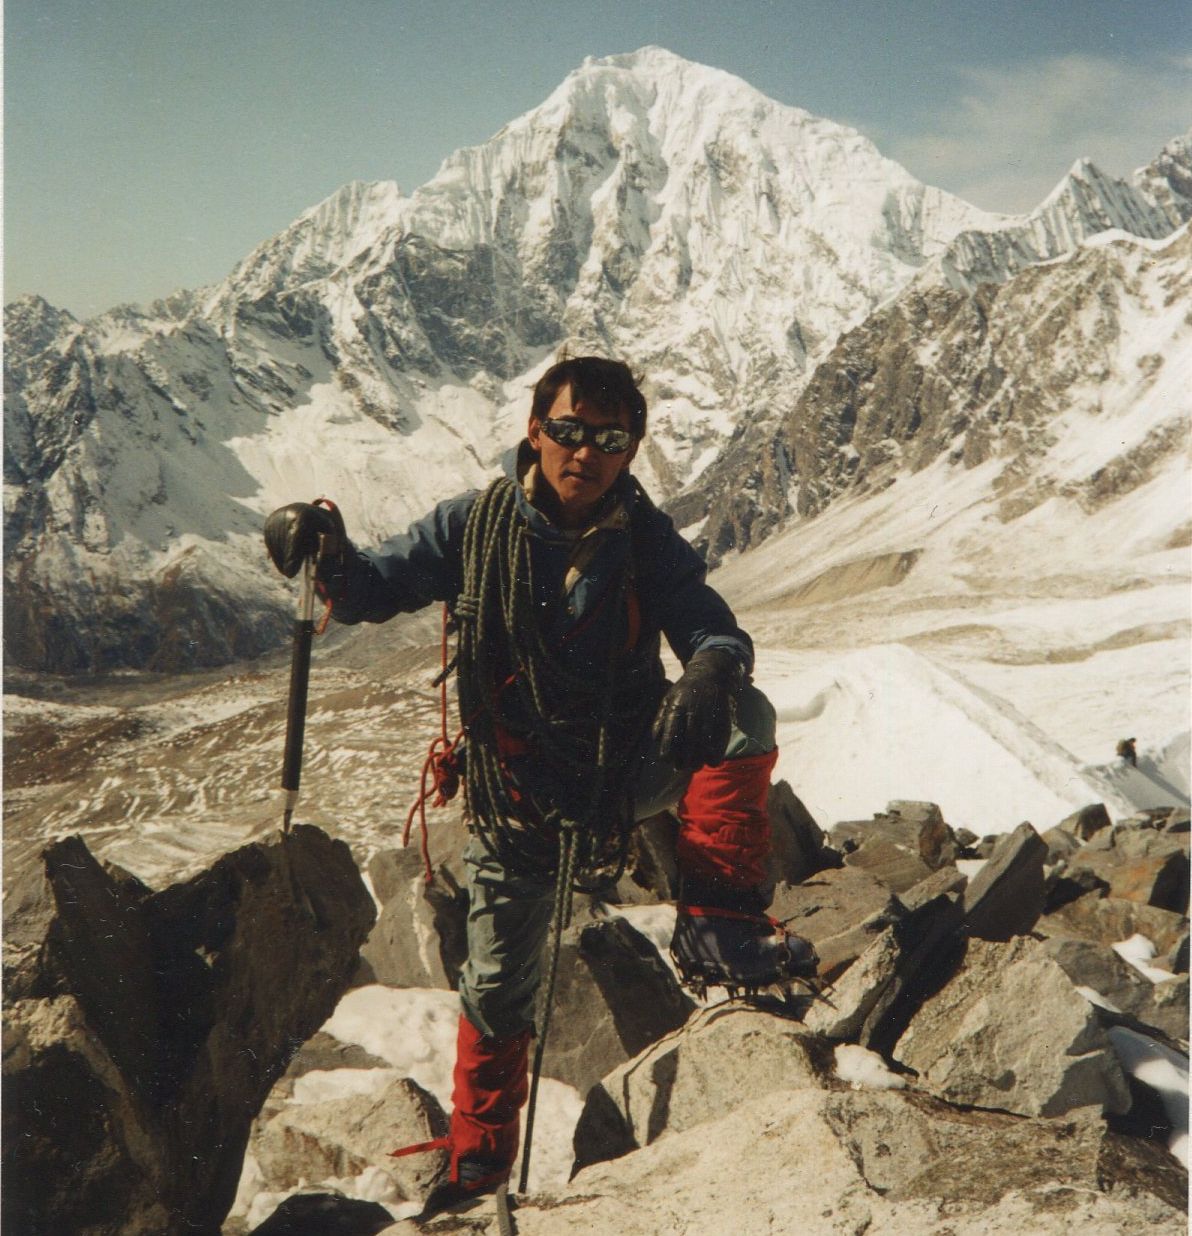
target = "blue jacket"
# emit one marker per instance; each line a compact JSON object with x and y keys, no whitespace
{"x":571,"y":573}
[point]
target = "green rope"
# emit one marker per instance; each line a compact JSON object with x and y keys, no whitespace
{"x":582,"y":727}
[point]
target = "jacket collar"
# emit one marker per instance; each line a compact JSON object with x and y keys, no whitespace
{"x":521,"y":464}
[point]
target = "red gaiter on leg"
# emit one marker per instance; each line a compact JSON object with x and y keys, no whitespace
{"x":490,"y":1088}
{"x":724,"y":828}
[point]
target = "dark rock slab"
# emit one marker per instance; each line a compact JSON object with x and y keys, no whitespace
{"x":144,"y":1037}
{"x":614,"y":996}
{"x":798,"y":846}
{"x":1005,"y":898}
{"x":325,"y":1214}
{"x":1085,"y":823}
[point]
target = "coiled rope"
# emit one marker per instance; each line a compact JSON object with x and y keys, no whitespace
{"x":581,"y":730}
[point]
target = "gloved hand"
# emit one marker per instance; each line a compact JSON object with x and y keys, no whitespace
{"x":292,"y":534}
{"x":695,"y":718}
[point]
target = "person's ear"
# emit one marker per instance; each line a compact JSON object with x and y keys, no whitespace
{"x":534,"y":433}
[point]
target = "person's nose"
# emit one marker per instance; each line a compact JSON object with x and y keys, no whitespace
{"x":586,"y":451}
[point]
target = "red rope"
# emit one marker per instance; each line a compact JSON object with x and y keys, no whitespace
{"x":440,"y":769}
{"x":438,"y":1143}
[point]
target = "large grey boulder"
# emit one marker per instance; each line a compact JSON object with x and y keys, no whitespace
{"x":1005,"y":898}
{"x":1011,"y":1032}
{"x":144,"y":1034}
{"x":724,"y":1057}
{"x":420,"y":937}
{"x":614,"y":996}
{"x":335,"y":1138}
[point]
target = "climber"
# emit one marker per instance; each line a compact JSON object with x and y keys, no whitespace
{"x":1127,"y":751}
{"x":562,"y":576}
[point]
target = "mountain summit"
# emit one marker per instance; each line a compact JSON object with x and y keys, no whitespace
{"x":380,"y":349}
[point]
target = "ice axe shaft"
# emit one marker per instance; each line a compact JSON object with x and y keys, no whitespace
{"x":304,"y":630}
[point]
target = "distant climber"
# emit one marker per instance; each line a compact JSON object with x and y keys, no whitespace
{"x":562,"y":576}
{"x":1125,"y":749}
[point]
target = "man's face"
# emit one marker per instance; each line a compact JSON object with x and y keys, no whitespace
{"x":578,"y":476}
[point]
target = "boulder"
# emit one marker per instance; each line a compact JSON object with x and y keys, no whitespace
{"x":1099,"y":968}
{"x":420,"y":937}
{"x":614,"y":996}
{"x":1109,"y":920}
{"x":1005,"y":898}
{"x":895,"y":866}
{"x":722,"y":1058}
{"x":143,"y":1036}
{"x":322,"y":1140}
{"x":874,"y":999}
{"x":838,"y":1162}
{"x":798,"y":846}
{"x":325,"y":1214}
{"x":1085,"y":823}
{"x":832,"y":902}
{"x":947,"y":880}
{"x":1011,"y":1032}
{"x":1158,"y":878}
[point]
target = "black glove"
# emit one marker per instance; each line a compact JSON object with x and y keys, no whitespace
{"x":292,"y":534}
{"x":695,"y":719}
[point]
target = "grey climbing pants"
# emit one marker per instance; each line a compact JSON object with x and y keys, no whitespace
{"x":509,"y":915}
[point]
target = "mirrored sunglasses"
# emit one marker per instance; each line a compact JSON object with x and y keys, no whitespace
{"x":610,"y":439}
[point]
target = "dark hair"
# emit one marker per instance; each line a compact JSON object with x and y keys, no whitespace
{"x":606,"y":385}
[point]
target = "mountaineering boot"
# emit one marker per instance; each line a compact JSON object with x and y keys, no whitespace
{"x":490,"y":1088}
{"x":723,"y":938}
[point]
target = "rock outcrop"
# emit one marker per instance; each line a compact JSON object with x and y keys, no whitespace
{"x":144,"y":1029}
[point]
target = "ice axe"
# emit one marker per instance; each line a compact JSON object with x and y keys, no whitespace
{"x":291,"y":768}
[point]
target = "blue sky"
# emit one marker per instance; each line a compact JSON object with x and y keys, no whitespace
{"x":150,"y":144}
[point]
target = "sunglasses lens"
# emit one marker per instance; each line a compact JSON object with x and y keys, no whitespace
{"x":611,"y":441}
{"x":565,"y":433}
{"x":572,"y":434}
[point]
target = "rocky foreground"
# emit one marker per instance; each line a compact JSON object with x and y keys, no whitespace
{"x":982,"y":1060}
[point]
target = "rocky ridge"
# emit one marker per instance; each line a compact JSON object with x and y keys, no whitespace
{"x":978,"y":1014}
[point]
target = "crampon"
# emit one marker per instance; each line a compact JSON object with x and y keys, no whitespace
{"x":751,"y":956}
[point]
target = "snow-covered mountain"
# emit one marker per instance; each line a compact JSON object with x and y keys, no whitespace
{"x":1074,"y":375}
{"x":380,"y":349}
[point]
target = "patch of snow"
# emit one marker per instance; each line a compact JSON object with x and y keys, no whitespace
{"x":865,"y":1070}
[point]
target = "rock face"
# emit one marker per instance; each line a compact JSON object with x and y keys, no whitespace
{"x":742,"y":1114}
{"x":1009,"y":1031}
{"x":145,"y":1030}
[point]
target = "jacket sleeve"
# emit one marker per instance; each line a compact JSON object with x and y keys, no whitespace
{"x":409,"y":571}
{"x":692,"y":615}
